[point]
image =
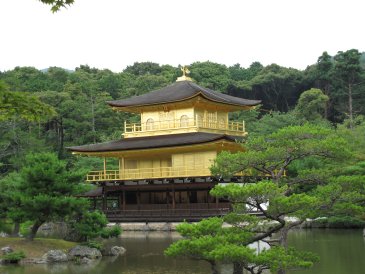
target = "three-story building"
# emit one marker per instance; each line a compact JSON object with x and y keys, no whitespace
{"x":165,"y":159}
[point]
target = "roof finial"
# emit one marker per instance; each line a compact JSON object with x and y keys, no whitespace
{"x":184,"y":77}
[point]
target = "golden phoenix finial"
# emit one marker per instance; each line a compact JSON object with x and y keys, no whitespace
{"x":185,"y":70}
{"x":184,"y":77}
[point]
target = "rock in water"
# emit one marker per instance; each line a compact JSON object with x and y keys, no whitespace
{"x":85,"y":260}
{"x":6,"y":250}
{"x":81,"y":251}
{"x":113,"y":251}
{"x":117,"y":250}
{"x":55,"y":256}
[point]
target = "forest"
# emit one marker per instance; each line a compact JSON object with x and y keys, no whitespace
{"x":72,"y":109}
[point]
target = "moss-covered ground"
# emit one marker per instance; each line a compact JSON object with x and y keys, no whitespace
{"x":37,"y":247}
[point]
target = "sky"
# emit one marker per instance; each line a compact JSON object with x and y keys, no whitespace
{"x":112,"y":34}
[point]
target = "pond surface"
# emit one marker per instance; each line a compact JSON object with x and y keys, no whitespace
{"x":341,"y":251}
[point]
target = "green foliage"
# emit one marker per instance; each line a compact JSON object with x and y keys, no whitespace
{"x":21,"y":105}
{"x":44,"y":191}
{"x":209,"y":240}
{"x":91,"y":225}
{"x":13,"y":257}
{"x":273,"y":153}
{"x":94,"y":244}
{"x":57,"y":4}
{"x":311,"y":105}
{"x":111,"y":232}
{"x":5,"y":226}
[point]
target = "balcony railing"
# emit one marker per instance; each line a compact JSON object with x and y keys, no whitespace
{"x":159,"y":173}
{"x":184,"y":125}
{"x":147,"y":173}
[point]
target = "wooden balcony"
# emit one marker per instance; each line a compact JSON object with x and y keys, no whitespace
{"x":182,"y":126}
{"x":158,"y":213}
{"x":148,"y":173}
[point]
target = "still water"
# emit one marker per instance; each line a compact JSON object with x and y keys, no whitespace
{"x":341,"y":252}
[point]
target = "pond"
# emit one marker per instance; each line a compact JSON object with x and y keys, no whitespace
{"x":341,"y":251}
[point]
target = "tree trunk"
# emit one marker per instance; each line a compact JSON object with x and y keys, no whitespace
{"x":237,"y":268}
{"x":16,"y":229}
{"x":213,"y":267}
{"x":34,"y":230}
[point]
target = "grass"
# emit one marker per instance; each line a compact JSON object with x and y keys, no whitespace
{"x":37,"y":247}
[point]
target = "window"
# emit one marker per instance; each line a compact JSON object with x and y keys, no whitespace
{"x":184,"y":121}
{"x":149,"y":124}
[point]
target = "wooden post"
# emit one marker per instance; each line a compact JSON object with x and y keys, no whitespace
{"x":94,"y":203}
{"x":121,"y":167}
{"x":125,"y":126}
{"x":243,"y":126}
{"x":216,"y":202}
{"x":173,"y":198}
{"x":138,"y":200}
{"x":104,"y":168}
{"x":104,"y":202}
{"x":124,"y":202}
{"x":120,"y":201}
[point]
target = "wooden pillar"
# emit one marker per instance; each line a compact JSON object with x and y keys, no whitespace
{"x":94,"y":203}
{"x":173,"y":198}
{"x":104,"y":201}
{"x":104,"y":167}
{"x":124,"y":202}
{"x":167,"y":198}
{"x":138,"y":200}
{"x":121,"y":168}
{"x":208,"y":199}
{"x":120,"y":201}
{"x":216,"y":202}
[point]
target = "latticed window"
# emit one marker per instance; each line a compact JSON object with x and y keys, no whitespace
{"x":184,"y":121}
{"x":149,"y":124}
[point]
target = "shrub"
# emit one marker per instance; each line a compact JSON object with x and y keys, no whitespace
{"x":94,"y":244}
{"x":90,"y":225}
{"x":111,"y":232}
{"x":13,"y":257}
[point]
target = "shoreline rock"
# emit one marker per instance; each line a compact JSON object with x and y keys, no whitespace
{"x":114,"y":251}
{"x":78,"y":252}
{"x":55,"y":256}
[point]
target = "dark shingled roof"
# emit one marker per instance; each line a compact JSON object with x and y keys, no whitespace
{"x":157,"y":141}
{"x":180,"y":91}
{"x":96,"y":192}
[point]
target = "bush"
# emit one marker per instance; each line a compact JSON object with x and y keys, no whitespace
{"x":111,"y":232}
{"x":13,"y":257}
{"x":90,"y":225}
{"x":94,"y":244}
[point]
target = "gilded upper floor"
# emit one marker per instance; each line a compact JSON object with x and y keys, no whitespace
{"x":183,"y":107}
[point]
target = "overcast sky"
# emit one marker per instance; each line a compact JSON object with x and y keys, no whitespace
{"x":116,"y":33}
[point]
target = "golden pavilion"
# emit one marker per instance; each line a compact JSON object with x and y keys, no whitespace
{"x":164,"y":160}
